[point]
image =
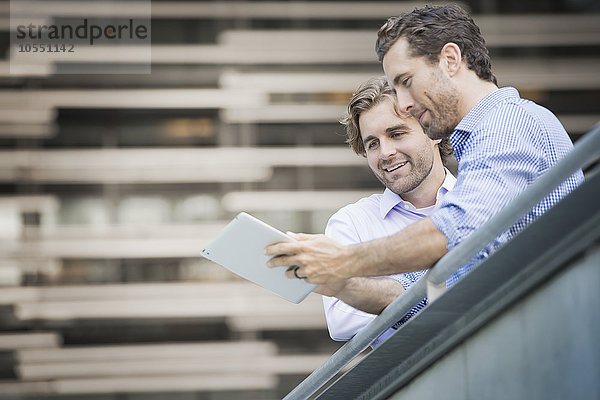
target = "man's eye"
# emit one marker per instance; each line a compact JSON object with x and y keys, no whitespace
{"x":371,"y":145}
{"x":405,"y":82}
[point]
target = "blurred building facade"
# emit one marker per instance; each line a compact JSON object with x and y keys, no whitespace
{"x":111,"y":183}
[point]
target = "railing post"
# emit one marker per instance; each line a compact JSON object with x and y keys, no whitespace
{"x":434,"y":290}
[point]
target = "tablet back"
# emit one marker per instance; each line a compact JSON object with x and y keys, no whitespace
{"x":239,"y":248}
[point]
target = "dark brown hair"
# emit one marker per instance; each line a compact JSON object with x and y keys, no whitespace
{"x":428,"y":29}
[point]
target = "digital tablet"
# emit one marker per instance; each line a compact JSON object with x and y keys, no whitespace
{"x":239,"y":248}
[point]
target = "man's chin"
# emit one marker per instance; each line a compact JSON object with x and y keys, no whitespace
{"x":435,"y":134}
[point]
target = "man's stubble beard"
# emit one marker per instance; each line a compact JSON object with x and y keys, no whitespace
{"x":443,"y":110}
{"x":421,"y":167}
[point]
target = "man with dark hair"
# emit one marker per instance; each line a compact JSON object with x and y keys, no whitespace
{"x":427,"y":31}
{"x":435,"y":60}
{"x":409,"y":165}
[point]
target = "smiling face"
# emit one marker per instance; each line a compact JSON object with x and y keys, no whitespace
{"x":423,"y":90}
{"x":398,"y":152}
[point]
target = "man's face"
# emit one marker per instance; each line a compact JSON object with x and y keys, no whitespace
{"x":422,"y":89}
{"x":398,"y":152}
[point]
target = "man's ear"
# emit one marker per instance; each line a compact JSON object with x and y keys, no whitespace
{"x":451,"y":57}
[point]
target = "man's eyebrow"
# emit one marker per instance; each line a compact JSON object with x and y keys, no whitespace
{"x":399,"y":127}
{"x":370,"y":137}
{"x":399,"y":77}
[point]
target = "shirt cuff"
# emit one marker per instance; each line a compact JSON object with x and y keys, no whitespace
{"x":445,"y":222}
{"x":404,"y":280}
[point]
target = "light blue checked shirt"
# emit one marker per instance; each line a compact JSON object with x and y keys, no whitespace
{"x":502,"y":145}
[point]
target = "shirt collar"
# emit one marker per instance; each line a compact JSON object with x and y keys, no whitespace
{"x":470,"y":122}
{"x":389,"y":199}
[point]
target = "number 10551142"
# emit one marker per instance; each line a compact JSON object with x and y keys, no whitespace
{"x":46,"y":48}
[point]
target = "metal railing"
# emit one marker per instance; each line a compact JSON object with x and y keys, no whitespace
{"x":585,"y":152}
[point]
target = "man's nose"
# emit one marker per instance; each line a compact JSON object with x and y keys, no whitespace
{"x":386,"y":149}
{"x":405,"y":101}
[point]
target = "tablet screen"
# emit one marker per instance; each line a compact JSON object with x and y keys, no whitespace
{"x":239,"y":248}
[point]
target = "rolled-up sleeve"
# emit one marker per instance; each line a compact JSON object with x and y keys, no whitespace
{"x":498,"y":163}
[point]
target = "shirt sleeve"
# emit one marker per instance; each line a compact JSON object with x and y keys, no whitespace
{"x":343,"y":320}
{"x":499,"y":161}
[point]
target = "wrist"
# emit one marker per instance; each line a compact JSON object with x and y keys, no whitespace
{"x":332,"y":289}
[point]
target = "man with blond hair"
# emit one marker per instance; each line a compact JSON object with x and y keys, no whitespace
{"x":409,"y":165}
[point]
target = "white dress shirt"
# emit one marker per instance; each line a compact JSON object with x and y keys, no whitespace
{"x":370,"y":218}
